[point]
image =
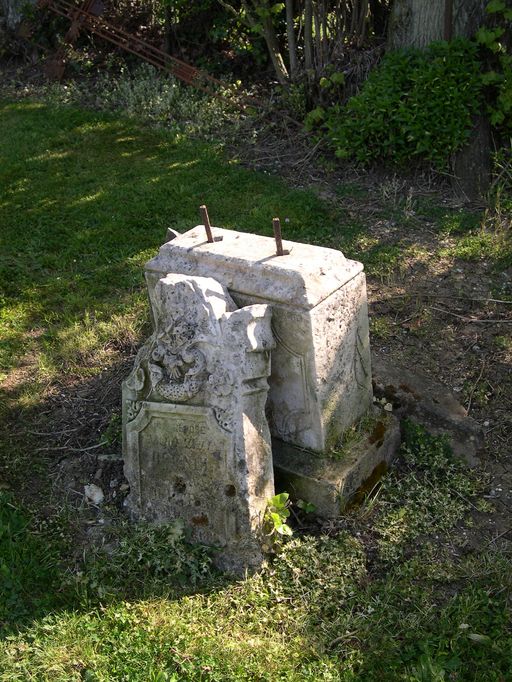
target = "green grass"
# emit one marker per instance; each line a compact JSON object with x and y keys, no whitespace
{"x":29,"y":579}
{"x":414,"y":607}
{"x":85,"y":199}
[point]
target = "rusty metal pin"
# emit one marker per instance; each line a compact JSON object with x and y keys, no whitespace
{"x":206,"y":222}
{"x":276,"y":224}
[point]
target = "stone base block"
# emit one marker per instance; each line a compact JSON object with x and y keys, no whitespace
{"x":332,"y":484}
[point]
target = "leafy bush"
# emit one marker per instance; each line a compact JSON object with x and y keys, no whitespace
{"x":416,"y":104}
{"x":496,"y":36}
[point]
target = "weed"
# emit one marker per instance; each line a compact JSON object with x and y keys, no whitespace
{"x":112,"y":434}
{"x":381,"y":328}
{"x":151,"y":560}
{"x":432,"y":496}
{"x":276,"y":514}
{"x":503,"y":342}
{"x":357,"y":434}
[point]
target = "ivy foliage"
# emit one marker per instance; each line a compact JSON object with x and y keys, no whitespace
{"x":418,"y":104}
{"x":496,"y":38}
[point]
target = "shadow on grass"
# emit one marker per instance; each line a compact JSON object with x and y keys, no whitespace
{"x":51,"y":537}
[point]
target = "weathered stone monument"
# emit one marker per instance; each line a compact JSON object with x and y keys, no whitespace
{"x":196,"y":441}
{"x":197,"y":421}
{"x":321,"y":375}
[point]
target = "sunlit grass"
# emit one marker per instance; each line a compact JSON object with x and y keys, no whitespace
{"x":87,"y":199}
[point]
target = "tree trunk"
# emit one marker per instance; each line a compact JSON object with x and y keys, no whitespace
{"x":274,"y":50}
{"x":416,"y":23}
{"x":308,"y":36}
{"x":472,"y":164}
{"x":292,"y":44}
{"x":13,"y":11}
{"x":168,"y":21}
{"x":319,"y":64}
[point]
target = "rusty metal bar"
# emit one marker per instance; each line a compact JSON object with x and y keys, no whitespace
{"x":206,"y":222}
{"x":82,"y":18}
{"x":276,"y":224}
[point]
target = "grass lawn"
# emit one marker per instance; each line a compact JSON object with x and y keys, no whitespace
{"x":394,"y":591}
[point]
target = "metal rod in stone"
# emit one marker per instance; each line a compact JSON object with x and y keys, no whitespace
{"x":276,"y":223}
{"x":206,"y":222}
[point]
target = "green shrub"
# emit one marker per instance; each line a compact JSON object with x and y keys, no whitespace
{"x":496,"y":37}
{"x":418,"y":104}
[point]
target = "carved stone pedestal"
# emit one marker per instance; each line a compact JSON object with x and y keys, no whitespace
{"x":321,"y":370}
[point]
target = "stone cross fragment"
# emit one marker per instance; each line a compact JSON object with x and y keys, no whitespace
{"x":321,"y":377}
{"x":196,"y":443}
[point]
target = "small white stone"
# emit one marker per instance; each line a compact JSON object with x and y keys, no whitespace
{"x":94,"y":494}
{"x":388,"y":407}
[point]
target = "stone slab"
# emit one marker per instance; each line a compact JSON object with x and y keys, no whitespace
{"x":199,"y":451}
{"x":196,"y":442}
{"x":321,"y":372}
{"x":332,"y":484}
{"x":414,"y":394}
{"x":247,"y":263}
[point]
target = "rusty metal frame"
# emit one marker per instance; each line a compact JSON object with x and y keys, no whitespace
{"x":87,"y":17}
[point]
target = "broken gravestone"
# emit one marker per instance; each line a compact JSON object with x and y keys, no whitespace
{"x":195,"y":437}
{"x":321,"y":375}
{"x":320,"y":384}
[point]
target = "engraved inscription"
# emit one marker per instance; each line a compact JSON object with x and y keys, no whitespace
{"x":183,"y":472}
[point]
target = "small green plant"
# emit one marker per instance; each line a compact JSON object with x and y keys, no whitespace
{"x":278,"y":511}
{"x":306,"y":507}
{"x":112,"y":433}
{"x":356,"y":434}
{"x":275,"y":528}
{"x":418,"y":104}
{"x":294,"y":98}
{"x":381,"y":328}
